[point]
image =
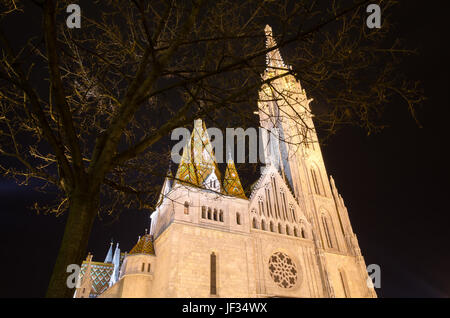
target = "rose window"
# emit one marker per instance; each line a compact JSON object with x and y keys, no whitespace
{"x":283,"y":270}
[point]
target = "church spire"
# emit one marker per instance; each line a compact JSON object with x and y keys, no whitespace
{"x":116,"y":262}
{"x":109,"y":255}
{"x":198,"y":160}
{"x":274,"y":61}
{"x":231,"y":182}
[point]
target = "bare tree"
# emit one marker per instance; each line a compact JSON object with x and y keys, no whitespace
{"x":88,"y":111}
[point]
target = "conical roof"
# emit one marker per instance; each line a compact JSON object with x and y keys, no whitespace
{"x":144,"y":246}
{"x":198,"y":160}
{"x":231,"y":182}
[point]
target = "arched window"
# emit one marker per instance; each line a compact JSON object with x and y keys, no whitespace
{"x":305,"y":137}
{"x":344,"y":283}
{"x":215,"y":214}
{"x":303,"y":233}
{"x":315,"y":181}
{"x":255,"y":226}
{"x":327,"y":231}
{"x":209,"y":213}
{"x":288,"y":232}
{"x":283,"y":204}
{"x":221,"y":216}
{"x":213,"y":283}
{"x":261,"y":206}
{"x":271,"y":226}
{"x":186,"y":207}
{"x":279,"y":228}
{"x":319,"y":187}
{"x":263,"y":225}
{"x":295,"y":232}
{"x":274,"y":189}
{"x":204,"y":212}
{"x":268,"y":202}
{"x":238,"y":218}
{"x":294,"y":217}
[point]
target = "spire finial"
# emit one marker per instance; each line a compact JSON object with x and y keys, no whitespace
{"x":273,"y":57}
{"x":229,"y":153}
{"x":270,"y":42}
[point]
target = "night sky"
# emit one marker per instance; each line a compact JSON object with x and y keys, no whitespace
{"x":394,"y":183}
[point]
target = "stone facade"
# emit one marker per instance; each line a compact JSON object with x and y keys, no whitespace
{"x":291,"y":238}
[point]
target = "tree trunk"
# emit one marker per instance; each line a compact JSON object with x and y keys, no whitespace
{"x":83,"y":208}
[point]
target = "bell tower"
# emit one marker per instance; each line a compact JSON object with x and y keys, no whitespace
{"x":291,"y":146}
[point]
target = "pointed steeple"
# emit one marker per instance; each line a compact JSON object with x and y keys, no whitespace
{"x":274,"y":61}
{"x":143,"y":246}
{"x":85,"y":287}
{"x":167,"y":186}
{"x":116,"y":262}
{"x":231,"y":182}
{"x":198,"y":159}
{"x":109,"y":255}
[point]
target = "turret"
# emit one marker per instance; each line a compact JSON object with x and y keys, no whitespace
{"x":138,"y":269}
{"x":84,"y":291}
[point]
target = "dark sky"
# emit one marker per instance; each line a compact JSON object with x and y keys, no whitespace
{"x":394,"y":183}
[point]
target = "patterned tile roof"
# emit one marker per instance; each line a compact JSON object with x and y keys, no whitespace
{"x":144,"y":246}
{"x":198,"y":159}
{"x":231,"y":182}
{"x":100,"y":274}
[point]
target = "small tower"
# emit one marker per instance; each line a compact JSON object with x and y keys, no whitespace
{"x":231,"y":183}
{"x":116,"y":263}
{"x":137,"y":270}
{"x":84,"y":291}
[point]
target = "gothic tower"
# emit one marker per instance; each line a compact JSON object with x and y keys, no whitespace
{"x":291,"y":237}
{"x":294,"y":151}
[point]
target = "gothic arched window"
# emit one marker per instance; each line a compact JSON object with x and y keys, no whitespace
{"x":294,"y":216}
{"x":288,"y":232}
{"x":261,"y":206}
{"x":268,"y":202}
{"x":263,"y":225}
{"x":271,"y":226}
{"x":186,"y":207}
{"x":203,"y":212}
{"x":327,"y":231}
{"x":255,"y":226}
{"x":283,"y":203}
{"x":213,"y":273}
{"x":315,"y":181}
{"x":274,"y":188}
{"x":344,"y":283}
{"x":238,"y":218}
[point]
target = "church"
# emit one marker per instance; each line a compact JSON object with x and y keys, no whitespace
{"x":290,"y":237}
